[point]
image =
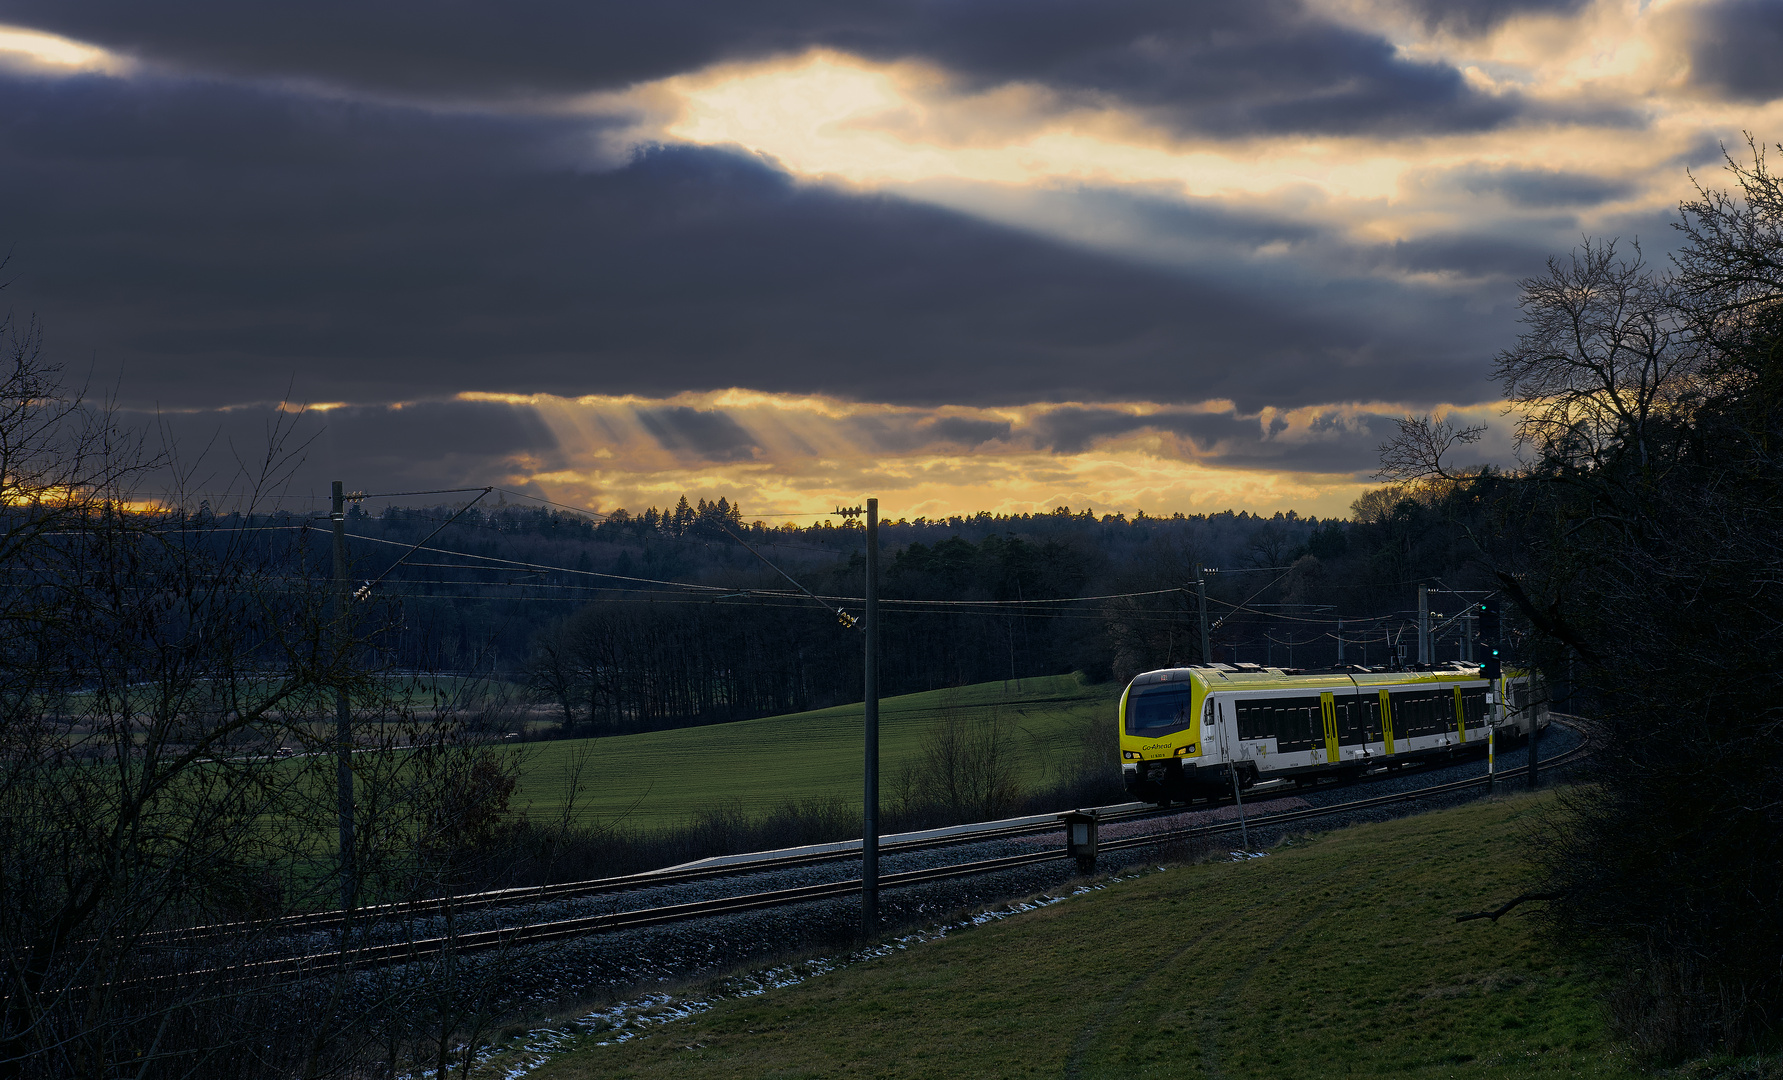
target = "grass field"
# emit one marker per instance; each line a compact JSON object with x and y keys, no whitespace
{"x":1334,"y":956}
{"x":662,"y":778}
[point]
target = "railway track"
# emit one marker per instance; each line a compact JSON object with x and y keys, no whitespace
{"x":542,"y":933}
{"x":334,"y":920}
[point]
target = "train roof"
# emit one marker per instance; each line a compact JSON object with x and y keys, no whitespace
{"x":1258,"y":677}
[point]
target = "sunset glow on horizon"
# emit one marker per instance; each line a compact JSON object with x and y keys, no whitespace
{"x":1171,"y":258}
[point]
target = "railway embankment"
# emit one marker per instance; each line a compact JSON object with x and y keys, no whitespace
{"x":598,"y":963}
{"x":1336,"y":952}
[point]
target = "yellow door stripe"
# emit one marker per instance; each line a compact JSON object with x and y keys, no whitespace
{"x":1328,"y":713}
{"x":1387,"y":719}
{"x":1460,"y":715}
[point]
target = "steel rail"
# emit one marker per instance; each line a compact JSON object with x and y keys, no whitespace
{"x":557,"y":930}
{"x":537,"y":894}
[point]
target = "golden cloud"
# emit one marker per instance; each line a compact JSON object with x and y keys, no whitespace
{"x":795,"y":455}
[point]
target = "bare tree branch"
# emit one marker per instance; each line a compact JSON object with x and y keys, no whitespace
{"x":1418,"y":450}
{"x":1606,"y":355}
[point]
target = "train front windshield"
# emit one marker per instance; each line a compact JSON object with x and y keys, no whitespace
{"x":1159,"y":710}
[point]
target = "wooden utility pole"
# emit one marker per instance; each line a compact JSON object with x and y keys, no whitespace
{"x":870,"y":795}
{"x":343,"y":712}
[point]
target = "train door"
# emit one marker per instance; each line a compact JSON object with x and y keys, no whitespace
{"x":1387,"y":719}
{"x":1328,"y":714}
{"x":1352,"y":725}
{"x":1460,"y":715}
{"x":1209,"y":726}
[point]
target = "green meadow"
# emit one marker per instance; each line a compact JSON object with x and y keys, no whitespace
{"x":1337,"y":955}
{"x":663,"y":778}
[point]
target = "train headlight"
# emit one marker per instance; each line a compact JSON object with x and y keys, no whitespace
{"x":1130,"y":755}
{"x":1185,"y":751}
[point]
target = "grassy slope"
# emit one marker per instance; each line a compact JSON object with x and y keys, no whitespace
{"x":1334,"y":956}
{"x":661,"y":778}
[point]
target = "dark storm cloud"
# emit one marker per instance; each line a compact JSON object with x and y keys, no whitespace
{"x":1705,"y":149}
{"x":1204,"y":65}
{"x":900,"y":433}
{"x":1168,"y":213}
{"x":425,"y":445}
{"x":704,"y":433}
{"x":1469,"y":254}
{"x":476,"y":429}
{"x":218,"y":244}
{"x":1072,"y":430}
{"x":1541,"y":188}
{"x":1479,"y":16}
{"x":1736,"y":49}
{"x":963,"y":431}
{"x":1224,"y":438}
{"x":1338,"y":444}
{"x":1269,"y":65}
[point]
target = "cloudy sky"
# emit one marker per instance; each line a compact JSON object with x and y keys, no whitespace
{"x":958,"y":254}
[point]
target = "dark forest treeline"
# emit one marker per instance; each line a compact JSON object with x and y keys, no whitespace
{"x":590,"y":612}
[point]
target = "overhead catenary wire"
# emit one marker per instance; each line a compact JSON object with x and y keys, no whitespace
{"x":820,"y":598}
{"x":842,"y":616}
{"x":521,"y":566}
{"x":358,"y":496}
{"x":544,"y":566}
{"x":765,"y":597}
{"x":1222,"y":621}
{"x":553,"y":502}
{"x":365,"y":590}
{"x":774,"y":602}
{"x":983,"y":606}
{"x":1327,"y":620}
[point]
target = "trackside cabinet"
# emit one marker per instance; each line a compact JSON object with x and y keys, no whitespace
{"x":1080,"y":838}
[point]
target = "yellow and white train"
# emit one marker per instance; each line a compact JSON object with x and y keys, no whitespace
{"x":1185,"y":731}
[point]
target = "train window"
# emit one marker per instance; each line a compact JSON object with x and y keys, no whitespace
{"x":1159,"y":710}
{"x":1422,"y":712}
{"x":1294,"y":723}
{"x":1255,"y":719}
{"x":1429,"y":713}
{"x":1248,"y":715}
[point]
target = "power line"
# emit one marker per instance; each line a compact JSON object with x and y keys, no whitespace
{"x":842,"y":616}
{"x":365,"y":590}
{"x":551,"y":502}
{"x":542,"y":566}
{"x":1321,"y":621}
{"x":774,"y":601}
{"x":359,"y":496}
{"x":721,"y":589}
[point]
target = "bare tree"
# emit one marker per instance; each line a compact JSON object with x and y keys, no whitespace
{"x":1422,"y":450}
{"x":1606,"y":355}
{"x":1731,"y":266}
{"x":551,"y":671}
{"x":150,"y":659}
{"x":969,"y":764}
{"x":162,"y":672}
